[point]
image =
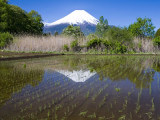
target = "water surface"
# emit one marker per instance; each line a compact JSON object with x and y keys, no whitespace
{"x":81,"y":88}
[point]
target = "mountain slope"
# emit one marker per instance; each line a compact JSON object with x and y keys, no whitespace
{"x":77,"y":18}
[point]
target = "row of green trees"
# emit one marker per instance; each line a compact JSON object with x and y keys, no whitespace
{"x":116,"y":39}
{"x":14,"y":20}
{"x":143,"y":27}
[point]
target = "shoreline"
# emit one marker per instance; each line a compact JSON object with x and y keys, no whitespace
{"x":12,"y":55}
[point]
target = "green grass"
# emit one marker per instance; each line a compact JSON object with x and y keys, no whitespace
{"x":90,"y":52}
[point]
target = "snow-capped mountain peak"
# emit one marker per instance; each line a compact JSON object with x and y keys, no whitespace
{"x":77,"y":17}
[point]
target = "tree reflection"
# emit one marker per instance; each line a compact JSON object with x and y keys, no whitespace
{"x":138,"y":69}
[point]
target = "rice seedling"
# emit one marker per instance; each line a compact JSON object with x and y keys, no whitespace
{"x":65,"y":114}
{"x":158,"y":81}
{"x":117,"y":89}
{"x":31,"y":105}
{"x":55,"y":116}
{"x":24,"y":66}
{"x":27,"y":100}
{"x":92,"y":116}
{"x":102,"y":118}
{"x":44,"y":107}
{"x":149,"y":114}
{"x":153,"y":106}
{"x":150,"y":89}
{"x":123,"y":117}
{"x":68,"y":109}
{"x":125,"y":104}
{"x":137,"y":108}
{"x":115,"y":101}
{"x":48,"y":114}
{"x":64,"y":118}
{"x":40,"y":108}
{"x":83,"y":114}
{"x":129,"y":93}
{"x":130,"y":115}
{"x":49,"y":105}
{"x":111,"y":106}
{"x":22,"y":110}
{"x":112,"y":117}
{"x":138,"y":102}
{"x":87,"y":95}
{"x":32,"y":116}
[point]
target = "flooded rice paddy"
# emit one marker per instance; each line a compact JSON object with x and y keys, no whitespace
{"x":81,"y":88}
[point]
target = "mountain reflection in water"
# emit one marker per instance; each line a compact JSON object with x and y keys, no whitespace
{"x":77,"y":76}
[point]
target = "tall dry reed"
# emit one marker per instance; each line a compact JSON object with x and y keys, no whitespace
{"x":39,"y":43}
{"x":144,"y":45}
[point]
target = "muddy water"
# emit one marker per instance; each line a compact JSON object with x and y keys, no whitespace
{"x":81,"y":88}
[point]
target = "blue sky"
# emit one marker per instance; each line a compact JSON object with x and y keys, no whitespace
{"x":118,"y":12}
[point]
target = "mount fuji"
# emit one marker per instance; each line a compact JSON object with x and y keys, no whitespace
{"x":80,"y":18}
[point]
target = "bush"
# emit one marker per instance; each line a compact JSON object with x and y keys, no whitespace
{"x":74,"y":44}
{"x":157,"y":33}
{"x":66,"y":48}
{"x":156,"y":41}
{"x":5,"y":39}
{"x":75,"y":47}
{"x":113,"y":47}
{"x":92,"y":36}
{"x":106,"y":43}
{"x":119,"y":48}
{"x":94,"y":43}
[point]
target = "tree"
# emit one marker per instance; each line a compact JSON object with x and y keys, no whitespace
{"x":157,"y":33}
{"x":142,"y":28}
{"x":73,"y":31}
{"x":156,"y":41}
{"x":116,"y":34}
{"x":3,"y":15}
{"x":4,"y":1}
{"x":102,"y":26}
{"x":35,"y":22}
{"x":5,"y":39}
{"x":15,"y":20}
{"x":56,"y":33}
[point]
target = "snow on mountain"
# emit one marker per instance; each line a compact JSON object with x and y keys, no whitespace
{"x":80,"y":18}
{"x":77,"y":17}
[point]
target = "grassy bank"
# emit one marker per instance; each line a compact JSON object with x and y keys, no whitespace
{"x":87,"y":45}
{"x":23,"y":53}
